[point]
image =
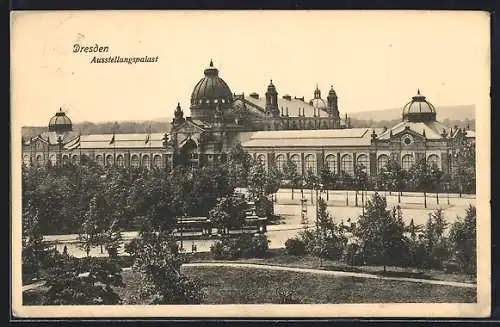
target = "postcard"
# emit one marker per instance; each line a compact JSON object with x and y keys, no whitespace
{"x":250,"y":164}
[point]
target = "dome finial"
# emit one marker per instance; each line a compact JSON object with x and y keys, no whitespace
{"x":211,"y":63}
{"x":418,"y":91}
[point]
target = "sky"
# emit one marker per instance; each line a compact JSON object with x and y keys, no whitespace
{"x":373,"y":59}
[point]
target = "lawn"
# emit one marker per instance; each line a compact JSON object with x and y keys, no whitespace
{"x":280,"y":258}
{"x":223,"y":285}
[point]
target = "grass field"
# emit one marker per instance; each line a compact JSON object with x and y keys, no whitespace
{"x":280,"y":258}
{"x":252,"y":286}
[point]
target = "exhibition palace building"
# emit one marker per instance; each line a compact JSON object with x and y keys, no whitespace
{"x":272,"y":129}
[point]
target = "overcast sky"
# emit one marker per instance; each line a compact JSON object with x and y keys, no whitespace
{"x":374,"y":60}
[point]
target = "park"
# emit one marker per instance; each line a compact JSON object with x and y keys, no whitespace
{"x":189,"y":236}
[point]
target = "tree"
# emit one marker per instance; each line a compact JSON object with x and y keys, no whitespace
{"x":463,"y":156}
{"x":436,"y":179}
{"x":88,"y":281}
{"x":435,"y":241}
{"x":360,"y":179}
{"x":157,"y":258}
{"x":240,"y":164}
{"x":229,"y":212}
{"x":291,"y":174}
{"x":113,"y":238}
{"x":380,"y":233}
{"x":273,"y":180}
{"x":420,"y":177}
{"x":89,"y":235}
{"x":34,"y":249}
{"x":463,"y":241}
{"x":257,"y":181}
{"x":395,"y":177}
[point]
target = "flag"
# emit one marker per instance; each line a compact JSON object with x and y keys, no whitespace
{"x":149,"y":134}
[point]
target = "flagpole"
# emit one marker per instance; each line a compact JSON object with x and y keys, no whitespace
{"x":114,"y":144}
{"x":150,"y":153}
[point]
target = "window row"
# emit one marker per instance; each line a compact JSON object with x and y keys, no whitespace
{"x":407,"y":161}
{"x":108,"y":160}
{"x":135,"y":160}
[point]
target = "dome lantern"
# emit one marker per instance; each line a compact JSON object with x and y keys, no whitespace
{"x":419,"y":109}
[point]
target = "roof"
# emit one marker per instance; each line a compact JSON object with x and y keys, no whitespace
{"x":103,"y":141}
{"x":293,"y":106}
{"x":52,"y":137}
{"x":433,"y":129}
{"x":312,"y":138}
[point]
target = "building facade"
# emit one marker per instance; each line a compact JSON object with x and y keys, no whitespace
{"x":273,"y":129}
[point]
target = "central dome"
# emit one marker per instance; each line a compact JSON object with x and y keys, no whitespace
{"x":208,"y":93}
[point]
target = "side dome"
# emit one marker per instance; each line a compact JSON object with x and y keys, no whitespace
{"x":319,"y":104}
{"x":60,"y":123}
{"x":419,"y":110}
{"x":208,"y":92}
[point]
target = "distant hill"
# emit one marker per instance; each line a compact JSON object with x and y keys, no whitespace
{"x":458,"y":112}
{"x":449,"y":115}
{"x":462,"y":116}
{"x":157,"y":126}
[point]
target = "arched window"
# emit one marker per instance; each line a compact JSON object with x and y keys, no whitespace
{"x":382,"y":161}
{"x":65,"y":159}
{"x":261,"y":159}
{"x":363,"y":162}
{"x":119,"y":161}
{"x":39,"y":159}
{"x":74,"y":160}
{"x":100,"y":160}
{"x":295,"y":158}
{"x":331,"y":163}
{"x":145,"y":161}
{"x":109,"y":160}
{"x":346,"y":164}
{"x":53,"y":159}
{"x":26,"y":160}
{"x":310,"y":163}
{"x":433,"y":160}
{"x":407,"y":161}
{"x":134,"y":160}
{"x":280,"y":161}
{"x":157,"y":161}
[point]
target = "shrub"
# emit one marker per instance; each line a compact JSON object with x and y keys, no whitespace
{"x":252,"y":245}
{"x":295,"y":246}
{"x":246,"y":246}
{"x":225,"y":249}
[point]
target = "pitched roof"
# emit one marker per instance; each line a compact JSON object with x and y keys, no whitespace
{"x":433,"y":129}
{"x":312,"y":138}
{"x":137,"y":140}
{"x":293,"y":106}
{"x":52,"y":137}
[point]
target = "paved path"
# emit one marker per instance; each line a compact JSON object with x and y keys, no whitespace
{"x":328,"y":272}
{"x":299,"y":270}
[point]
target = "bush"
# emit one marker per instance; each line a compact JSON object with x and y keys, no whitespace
{"x":246,"y":246}
{"x":225,"y":249}
{"x":255,"y":246}
{"x":295,"y":246}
